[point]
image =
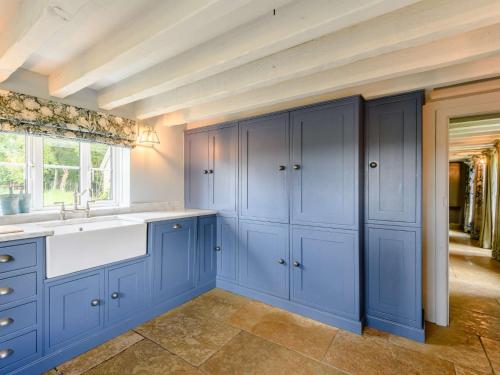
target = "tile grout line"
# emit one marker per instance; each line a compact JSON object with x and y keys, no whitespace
{"x":486,"y":354}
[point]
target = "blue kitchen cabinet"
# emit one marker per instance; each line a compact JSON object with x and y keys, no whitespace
{"x":325,"y":160}
{"x":264,"y":164}
{"x":75,"y":308}
{"x":126,"y":290}
{"x":227,"y":248}
{"x":393,"y":160}
{"x":174,"y":258}
{"x":264,"y":257}
{"x":207,"y":248}
{"x":325,"y":271}
{"x":196,"y":170}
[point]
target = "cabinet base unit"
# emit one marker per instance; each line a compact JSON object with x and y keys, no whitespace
{"x":417,"y":334}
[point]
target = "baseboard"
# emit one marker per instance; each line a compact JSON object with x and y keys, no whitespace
{"x":330,"y":319}
{"x":417,"y":334}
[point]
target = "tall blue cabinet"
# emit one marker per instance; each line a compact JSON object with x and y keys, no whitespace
{"x":393,"y":249}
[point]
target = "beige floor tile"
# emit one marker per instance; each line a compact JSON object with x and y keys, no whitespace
{"x":466,"y":371}
{"x":474,"y":302}
{"x":492,"y":348}
{"x":474,"y":322}
{"x":365,"y":354}
{"x":460,"y":347}
{"x":144,"y":358}
{"x":193,"y":338}
{"x":295,"y":332}
{"x":99,"y":354}
{"x":252,"y":355}
{"x":249,"y":315}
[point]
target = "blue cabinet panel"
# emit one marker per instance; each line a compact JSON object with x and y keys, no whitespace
{"x":207,"y":244}
{"x":15,"y":255}
{"x":75,"y":308}
{"x":223,"y":169}
{"x":264,"y":161}
{"x":227,"y":243}
{"x":174,"y":258}
{"x":16,"y":318}
{"x":264,"y":257}
{"x":393,"y":160}
{"x":196,"y":170}
{"x":19,"y":348}
{"x":394,"y":267}
{"x":325,"y":159}
{"x":126,"y":290}
{"x":325,"y":270}
{"x":18,"y":287}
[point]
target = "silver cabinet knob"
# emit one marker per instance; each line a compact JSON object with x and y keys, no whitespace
{"x":6,"y":258}
{"x":205,"y":171}
{"x":296,"y":264}
{"x":4,"y":322}
{"x":114,"y":295}
{"x":281,"y":261}
{"x":6,"y":353}
{"x":296,"y":166}
{"x":95,"y":302}
{"x":373,"y":164}
{"x":210,"y":171}
{"x":6,"y":290}
{"x":176,"y":226}
{"x":281,"y":167}
{"x":217,"y":248}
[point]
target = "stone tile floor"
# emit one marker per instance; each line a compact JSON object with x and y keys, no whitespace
{"x":223,"y":333}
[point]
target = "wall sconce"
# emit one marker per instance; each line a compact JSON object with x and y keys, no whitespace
{"x":147,"y":135}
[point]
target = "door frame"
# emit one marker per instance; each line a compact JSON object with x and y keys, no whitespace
{"x":436,"y":116}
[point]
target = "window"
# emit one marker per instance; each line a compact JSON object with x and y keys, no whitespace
{"x":52,"y":170}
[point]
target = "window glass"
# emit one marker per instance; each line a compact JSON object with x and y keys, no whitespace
{"x":61,"y":170}
{"x":12,"y":162}
{"x":101,"y":172}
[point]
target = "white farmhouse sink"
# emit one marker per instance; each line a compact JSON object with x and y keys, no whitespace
{"x":85,"y":243}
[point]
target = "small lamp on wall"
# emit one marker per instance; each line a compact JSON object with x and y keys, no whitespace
{"x":147,"y":135}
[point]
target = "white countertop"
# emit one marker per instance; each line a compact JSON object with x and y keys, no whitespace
{"x":32,"y":230}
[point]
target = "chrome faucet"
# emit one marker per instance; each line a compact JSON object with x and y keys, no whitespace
{"x":76,"y":203}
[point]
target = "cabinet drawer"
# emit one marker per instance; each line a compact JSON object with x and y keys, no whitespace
{"x":17,"y":287}
{"x":18,"y":348}
{"x":17,"y":256}
{"x":17,"y":318}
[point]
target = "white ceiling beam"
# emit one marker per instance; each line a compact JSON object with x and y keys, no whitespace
{"x":368,"y":39}
{"x":169,"y":27}
{"x":293,"y":24}
{"x":323,"y":86}
{"x":33,"y":23}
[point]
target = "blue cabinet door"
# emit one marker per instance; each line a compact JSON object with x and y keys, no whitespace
{"x":207,"y":244}
{"x":174,"y":258}
{"x":325,"y":165}
{"x":227,"y":243}
{"x":223,"y":169}
{"x":264,"y":160}
{"x":126,"y":290}
{"x":75,"y":309}
{"x":325,"y":270}
{"x":393,"y":279}
{"x":196,"y":170}
{"x":264,"y":256}
{"x":393,"y":160}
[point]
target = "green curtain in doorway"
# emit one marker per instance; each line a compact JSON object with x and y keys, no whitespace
{"x":485,"y":238}
{"x":478,"y":208}
{"x":496,"y":230}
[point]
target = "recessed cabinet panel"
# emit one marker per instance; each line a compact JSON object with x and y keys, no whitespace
{"x":393,"y":162}
{"x":325,"y":270}
{"x":223,"y":169}
{"x":264,"y":168}
{"x":264,"y":257}
{"x":207,"y":243}
{"x":227,"y":241}
{"x":394,"y":275}
{"x":325,"y":165}
{"x":196,"y":170}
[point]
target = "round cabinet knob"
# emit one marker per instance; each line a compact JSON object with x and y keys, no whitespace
{"x":176,"y":226}
{"x":217,"y":248}
{"x":114,"y":295}
{"x":6,"y":290}
{"x":4,"y":322}
{"x":296,"y":166}
{"x":373,"y":164}
{"x":281,"y":167}
{"x":210,"y":171}
{"x":95,"y":302}
{"x":281,"y":261}
{"x":6,"y":353}
{"x":6,"y":258}
{"x":205,"y":171}
{"x":296,"y":264}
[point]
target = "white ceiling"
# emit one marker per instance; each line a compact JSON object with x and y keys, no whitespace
{"x":199,"y":61}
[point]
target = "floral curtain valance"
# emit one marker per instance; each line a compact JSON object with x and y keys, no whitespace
{"x":28,"y":114}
